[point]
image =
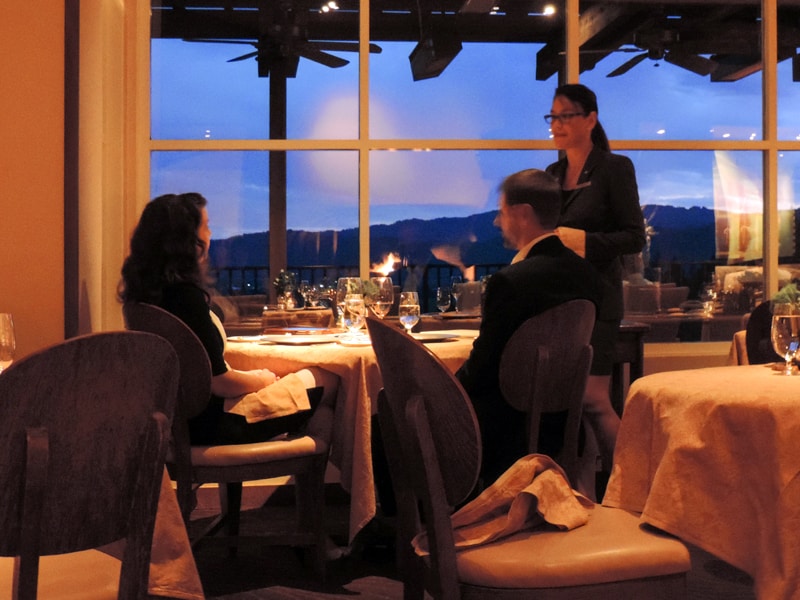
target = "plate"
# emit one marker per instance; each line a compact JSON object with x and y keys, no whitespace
{"x":429,"y":336}
{"x":459,"y":315}
{"x":244,"y":338}
{"x":298,"y":340}
{"x":361,"y":340}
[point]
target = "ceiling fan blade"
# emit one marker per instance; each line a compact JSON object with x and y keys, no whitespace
{"x":323,"y":58}
{"x":627,"y":65}
{"x":244,"y":56}
{"x":692,"y":62}
{"x":218,"y":41}
{"x":345,"y":47}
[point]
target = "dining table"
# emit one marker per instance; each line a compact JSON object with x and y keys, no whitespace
{"x":710,"y":456}
{"x":354,"y":362}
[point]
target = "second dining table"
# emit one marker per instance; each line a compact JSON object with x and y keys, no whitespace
{"x":360,"y":382}
{"x":710,"y":456}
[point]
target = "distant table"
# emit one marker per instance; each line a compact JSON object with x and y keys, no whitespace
{"x":710,"y":456}
{"x":672,"y":326}
{"x":357,"y":368}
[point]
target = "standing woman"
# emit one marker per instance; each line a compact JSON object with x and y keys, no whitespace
{"x":601,"y":220}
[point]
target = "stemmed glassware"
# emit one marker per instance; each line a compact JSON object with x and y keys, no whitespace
{"x":443,"y":298}
{"x":355,"y":312}
{"x":455,"y":288}
{"x":381,"y":295}
{"x":785,"y":334}
{"x":409,"y":310}
{"x":344,"y":287}
{"x":8,"y":342}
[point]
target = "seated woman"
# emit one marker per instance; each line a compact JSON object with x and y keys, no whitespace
{"x":167,"y":266}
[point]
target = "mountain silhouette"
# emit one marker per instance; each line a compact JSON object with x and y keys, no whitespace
{"x":681,"y":235}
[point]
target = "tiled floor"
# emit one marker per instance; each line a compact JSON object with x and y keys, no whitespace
{"x":261,"y":573}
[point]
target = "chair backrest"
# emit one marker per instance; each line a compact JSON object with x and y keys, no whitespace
{"x":432,"y":443}
{"x":84,"y":427}
{"x":195,"y":381}
{"x":544,"y":368}
{"x":757,"y":336}
{"x":194,"y":390}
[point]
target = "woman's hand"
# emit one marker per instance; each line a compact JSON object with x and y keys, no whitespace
{"x":574,"y":239}
{"x":266,"y":376}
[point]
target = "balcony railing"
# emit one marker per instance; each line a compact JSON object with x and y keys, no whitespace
{"x":235,"y":281}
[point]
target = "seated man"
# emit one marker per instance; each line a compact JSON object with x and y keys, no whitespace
{"x":543,"y":274}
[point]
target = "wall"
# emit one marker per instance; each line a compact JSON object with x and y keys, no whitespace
{"x":31,"y":171}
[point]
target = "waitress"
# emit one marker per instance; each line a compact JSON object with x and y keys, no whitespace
{"x":601,"y":220}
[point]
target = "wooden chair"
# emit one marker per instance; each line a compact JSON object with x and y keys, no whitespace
{"x":433,"y":444}
{"x":303,"y":456}
{"x":84,"y":430}
{"x":544,"y":368}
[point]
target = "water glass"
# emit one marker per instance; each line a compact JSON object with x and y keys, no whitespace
{"x":785,"y":334}
{"x":381,"y":295}
{"x":408,"y":310}
{"x":354,"y":313}
{"x":443,"y":298}
{"x":344,"y":287}
{"x":8,"y":343}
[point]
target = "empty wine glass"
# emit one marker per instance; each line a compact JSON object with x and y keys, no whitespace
{"x":354,"y":313}
{"x":443,"y":298}
{"x":345,"y":286}
{"x":8,"y":342}
{"x":381,"y":295}
{"x":455,"y":288}
{"x":785,"y":334}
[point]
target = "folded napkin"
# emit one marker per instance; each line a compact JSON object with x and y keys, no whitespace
{"x":534,"y":490}
{"x":286,"y":396}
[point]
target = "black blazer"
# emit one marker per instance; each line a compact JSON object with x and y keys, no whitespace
{"x":605,"y":204}
{"x":550,"y":275}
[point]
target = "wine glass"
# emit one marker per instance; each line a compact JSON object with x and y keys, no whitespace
{"x":8,"y":342}
{"x":354,"y":313}
{"x":381,"y":295}
{"x":443,"y":298}
{"x":785,"y":334}
{"x":455,"y":288}
{"x":345,"y":286}
{"x":408,"y":310}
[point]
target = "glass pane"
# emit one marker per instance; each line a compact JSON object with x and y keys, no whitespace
{"x":682,"y":71}
{"x":478,"y":83}
{"x":432,"y":213}
{"x":788,"y":70}
{"x":703,"y":213}
{"x":788,"y":204}
{"x":206,"y":81}
{"x":322,"y":210}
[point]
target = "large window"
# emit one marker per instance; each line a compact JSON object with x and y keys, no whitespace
{"x":265,"y":109}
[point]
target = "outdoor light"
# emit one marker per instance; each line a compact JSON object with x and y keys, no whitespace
{"x":432,"y":55}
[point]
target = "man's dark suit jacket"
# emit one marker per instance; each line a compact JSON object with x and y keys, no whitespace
{"x":550,"y":275}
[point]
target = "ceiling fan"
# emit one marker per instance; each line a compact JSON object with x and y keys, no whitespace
{"x":281,"y":41}
{"x":659,"y":44}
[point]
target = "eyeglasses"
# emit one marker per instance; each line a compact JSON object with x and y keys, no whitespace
{"x":563,"y":117}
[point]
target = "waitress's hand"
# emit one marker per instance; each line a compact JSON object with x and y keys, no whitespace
{"x":574,"y":239}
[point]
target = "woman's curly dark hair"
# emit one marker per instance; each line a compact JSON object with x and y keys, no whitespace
{"x":164,"y":248}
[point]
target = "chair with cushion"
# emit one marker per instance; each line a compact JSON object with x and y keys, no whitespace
{"x":84,"y":429}
{"x":433,"y":444}
{"x":543,"y":370}
{"x":303,"y":456}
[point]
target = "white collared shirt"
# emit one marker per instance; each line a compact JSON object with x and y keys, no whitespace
{"x":523,"y":252}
